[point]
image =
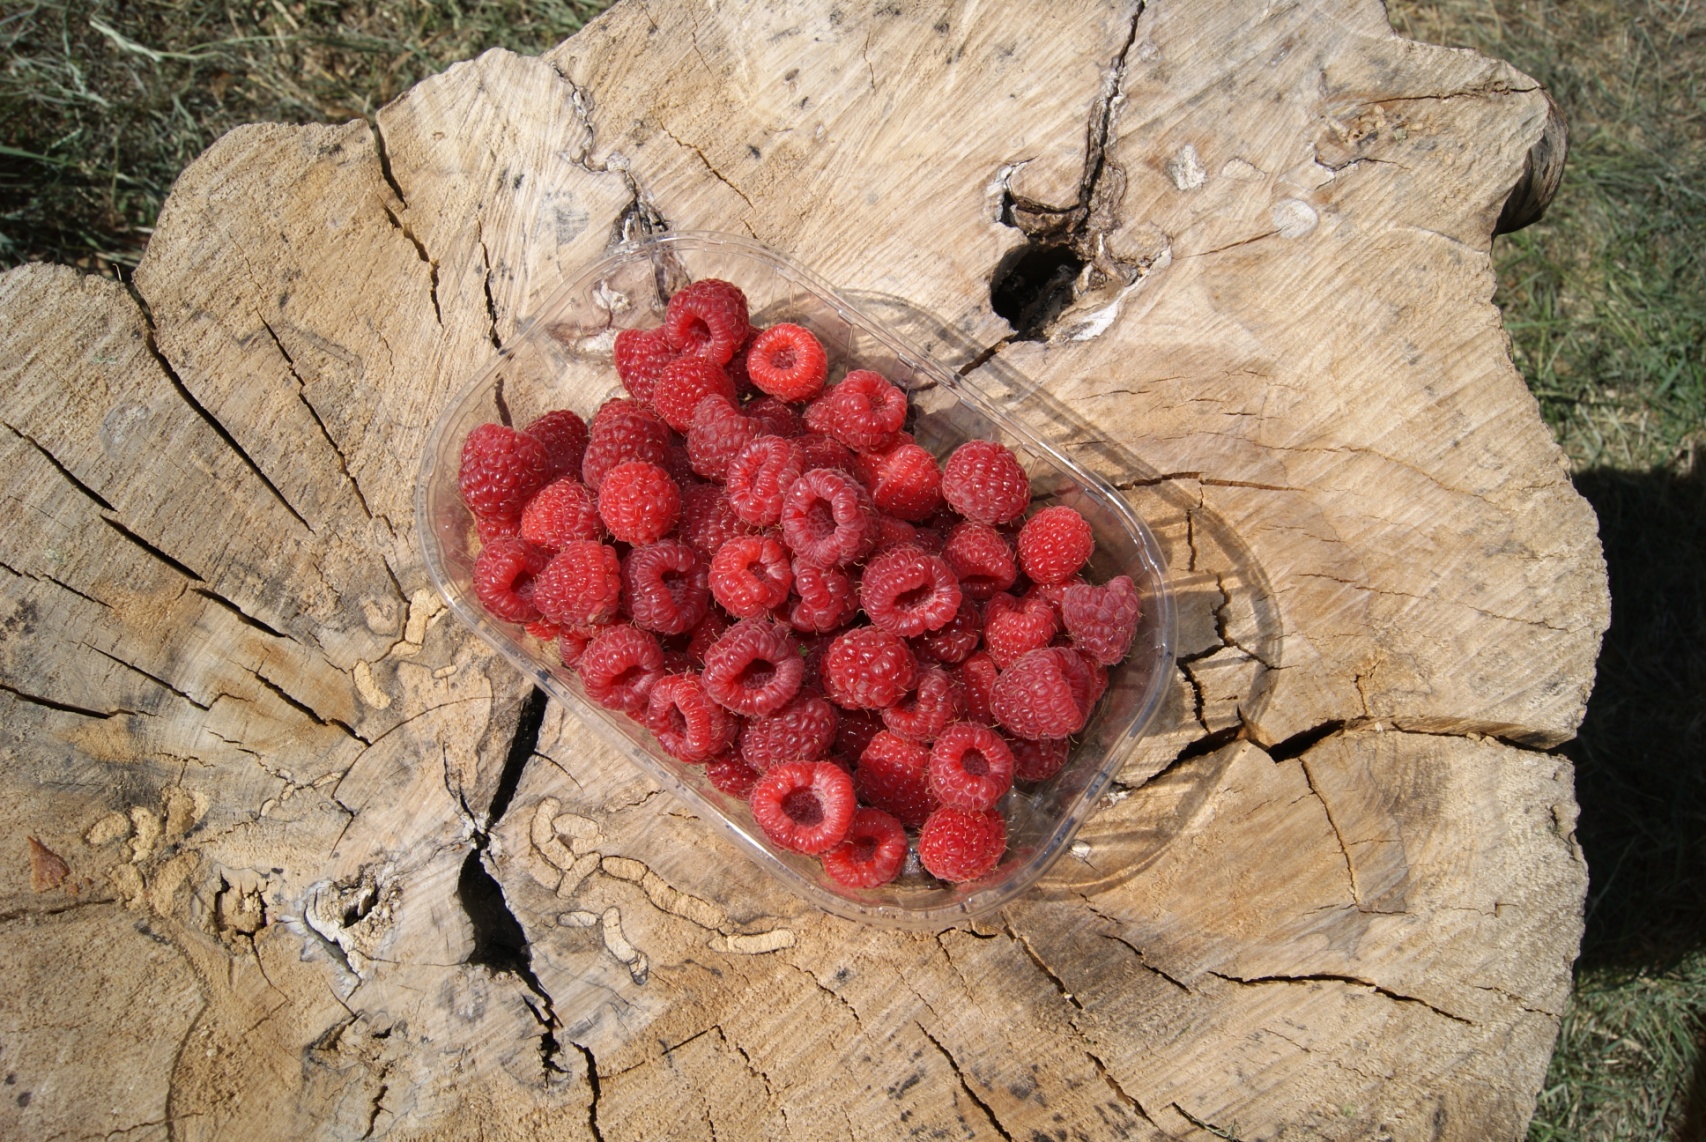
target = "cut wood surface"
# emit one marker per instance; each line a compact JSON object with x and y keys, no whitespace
{"x":295,"y":855}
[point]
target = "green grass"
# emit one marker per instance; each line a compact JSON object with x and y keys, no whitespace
{"x":102,"y":103}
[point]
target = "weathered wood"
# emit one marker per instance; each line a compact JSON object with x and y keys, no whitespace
{"x":309,"y":863}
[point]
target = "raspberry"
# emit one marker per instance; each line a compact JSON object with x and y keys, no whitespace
{"x":786,"y":361}
{"x":753,"y":669}
{"x":804,"y":806}
{"x":1043,"y":695}
{"x":981,"y":559}
{"x":561,"y":513}
{"x":501,"y":469}
{"x":1013,"y":628}
{"x":494,"y":527}
{"x":977,"y":676}
{"x":1052,"y":593}
{"x":581,"y":586}
{"x":824,"y":599}
{"x":759,"y":477}
{"x":803,"y":730}
{"x":687,"y":723}
{"x":544,"y":631}
{"x":868,"y":465}
{"x":623,"y":430}
{"x":908,"y":592}
{"x":854,"y":730}
{"x":872,"y":853}
{"x":707,"y":319}
{"x":665,"y":587}
{"x":678,"y":463}
{"x":750,"y":576}
{"x":970,"y":767}
{"x":868,"y":668}
{"x":893,"y":775}
{"x":641,"y":357}
{"x":1054,"y":544}
{"x":505,"y":578}
{"x":1102,"y":620}
{"x":827,"y":452}
{"x":864,"y":412}
{"x":930,"y":541}
{"x":686,"y":382}
{"x":776,"y":417}
{"x":571,"y":646}
{"x":936,"y":704}
{"x":717,"y":435}
{"x":638,"y":502}
{"x":984,"y":482}
{"x":708,"y":520}
{"x":1037,"y":760}
{"x":564,"y":435}
{"x":827,"y":518}
{"x":620,"y":667}
{"x":733,"y":776}
{"x":709,"y":630}
{"x":954,"y":642}
{"x":907,"y":483}
{"x":737,"y":370}
{"x":892,"y":532}
{"x":956,"y":845}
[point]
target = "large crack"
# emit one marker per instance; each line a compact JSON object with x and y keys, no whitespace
{"x":988,"y":1111}
{"x":302,"y":395}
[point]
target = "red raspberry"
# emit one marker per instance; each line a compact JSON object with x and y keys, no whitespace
{"x":571,"y":646}
{"x":564,"y":435}
{"x":893,"y":775}
{"x":665,"y":587}
{"x":977,"y":676}
{"x":803,"y":730}
{"x":750,"y":576}
{"x":1102,"y":620}
{"x":501,"y":469}
{"x":868,"y":465}
{"x":786,"y":361}
{"x":954,"y":642}
{"x":620,"y":667}
{"x":892,"y":532}
{"x":1012,"y":628}
{"x":638,"y":502}
{"x":984,"y":482}
{"x":686,"y":382}
{"x":804,"y":806}
{"x":581,"y":586}
{"x":1098,"y":677}
{"x":709,"y":630}
{"x":828,"y":519}
{"x":733,"y":776}
{"x":759,"y":477}
{"x":864,"y":412}
{"x":1052,"y":593}
{"x":824,"y":599}
{"x":777,"y":418}
{"x":827,"y":452}
{"x":907,"y":483}
{"x":753,"y":669}
{"x":708,"y":520}
{"x":1046,"y":694}
{"x":854,"y":730}
{"x":641,"y":357}
{"x":970,"y":767}
{"x":737,"y":370}
{"x":981,"y":559}
{"x":930,"y":541}
{"x":505,"y":578}
{"x":717,"y":435}
{"x":561,"y":513}
{"x":1054,"y":544}
{"x":544,"y":631}
{"x":490,"y":528}
{"x":957,"y":845}
{"x":623,"y":430}
{"x":872,"y":853}
{"x":1037,"y":760}
{"x":909,"y":592}
{"x":868,"y":668}
{"x":707,"y":319}
{"x":935,"y":705}
{"x":687,"y":723}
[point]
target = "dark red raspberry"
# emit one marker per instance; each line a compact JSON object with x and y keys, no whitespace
{"x":868,"y":668}
{"x":707,"y":319}
{"x":564,"y":435}
{"x":909,"y":592}
{"x":934,"y":705}
{"x":1054,"y":544}
{"x":777,"y":418}
{"x":930,"y":541}
{"x":623,"y":430}
{"x":984,"y":482}
{"x":1098,"y":677}
{"x":828,"y":518}
{"x":717,"y":435}
{"x":907,"y":483}
{"x":505,"y":578}
{"x":571,"y":646}
{"x":803,"y":730}
{"x":744,"y":388}
{"x":709,"y":630}
{"x":864,"y":412}
{"x":1046,"y":694}
{"x":1053,"y":593}
{"x":970,"y":767}
{"x":854,"y":730}
{"x":872,"y":853}
{"x":641,"y":357}
{"x":753,"y":669}
{"x":494,"y":527}
{"x":955,"y":642}
{"x":1037,"y":760}
{"x":686,"y":382}
{"x":824,"y":599}
{"x":893,"y":775}
{"x":561,"y":513}
{"x":708,"y":520}
{"x":980,"y":559}
{"x":804,"y":806}
{"x":501,"y":469}
{"x":786,"y":361}
{"x":620,"y":667}
{"x":750,"y":576}
{"x":1102,"y":620}
{"x":687,"y":723}
{"x":827,"y":452}
{"x":638,"y":502}
{"x":892,"y":532}
{"x":759,"y":477}
{"x":544,"y":631}
{"x":666,"y":587}
{"x":977,"y":676}
{"x":581,"y":586}
{"x":956,"y":845}
{"x":733,"y":776}
{"x":1012,"y":628}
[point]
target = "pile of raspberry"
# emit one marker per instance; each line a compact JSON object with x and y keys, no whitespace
{"x":771,"y":576}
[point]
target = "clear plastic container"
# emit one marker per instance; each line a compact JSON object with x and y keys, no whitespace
{"x":563,"y":359}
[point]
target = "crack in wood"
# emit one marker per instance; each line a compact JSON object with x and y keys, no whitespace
{"x":304,"y":708}
{"x":70,"y":477}
{"x":302,"y":395}
{"x":181,"y":568}
{"x":964,"y":1085}
{"x":1330,"y":977}
{"x":1120,"y":1093}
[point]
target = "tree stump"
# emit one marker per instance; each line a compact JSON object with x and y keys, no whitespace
{"x":293,"y":855}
